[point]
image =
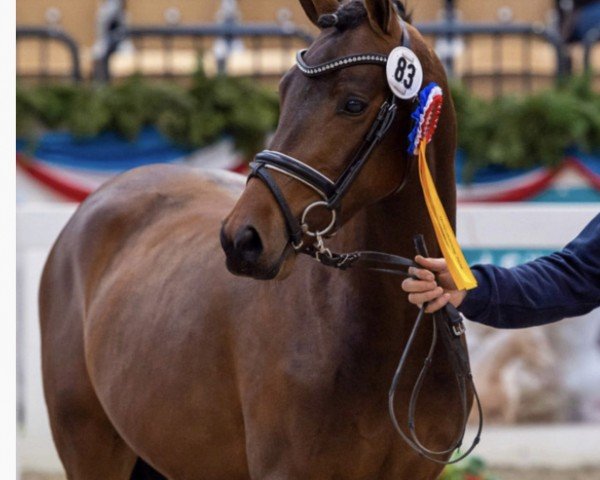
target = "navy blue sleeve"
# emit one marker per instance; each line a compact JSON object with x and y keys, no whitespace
{"x":548,"y":289}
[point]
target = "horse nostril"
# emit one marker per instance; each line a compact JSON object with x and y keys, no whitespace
{"x":226,"y":243}
{"x":247,"y":244}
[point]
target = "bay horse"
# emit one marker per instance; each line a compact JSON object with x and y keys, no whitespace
{"x":157,"y":358}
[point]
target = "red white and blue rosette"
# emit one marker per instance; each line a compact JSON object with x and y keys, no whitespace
{"x":425,"y":116}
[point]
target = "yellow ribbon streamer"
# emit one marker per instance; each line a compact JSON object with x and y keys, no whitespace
{"x":457,"y":265}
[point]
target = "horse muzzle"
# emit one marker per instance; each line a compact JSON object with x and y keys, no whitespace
{"x":245,"y":256}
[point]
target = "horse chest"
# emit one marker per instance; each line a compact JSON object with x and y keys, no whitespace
{"x":315,"y":395}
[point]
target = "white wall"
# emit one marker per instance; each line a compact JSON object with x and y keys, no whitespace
{"x":479,"y":226}
{"x":38,"y":225}
{"x":522,"y":225}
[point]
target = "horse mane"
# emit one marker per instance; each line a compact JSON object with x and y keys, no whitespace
{"x":351,"y":15}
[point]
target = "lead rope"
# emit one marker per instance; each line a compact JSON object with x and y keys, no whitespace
{"x":462,"y":371}
{"x":413,"y":440}
{"x":450,"y":320}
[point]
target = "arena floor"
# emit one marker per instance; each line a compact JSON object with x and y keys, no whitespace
{"x":545,"y":474}
{"x":501,"y":474}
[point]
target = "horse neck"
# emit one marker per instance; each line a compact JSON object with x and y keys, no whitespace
{"x":389,"y":226}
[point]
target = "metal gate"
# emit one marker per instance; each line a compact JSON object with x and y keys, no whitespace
{"x":58,"y":55}
{"x":498,"y":58}
{"x":253,"y":50}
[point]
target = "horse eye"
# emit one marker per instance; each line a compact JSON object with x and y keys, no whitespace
{"x":355,"y":106}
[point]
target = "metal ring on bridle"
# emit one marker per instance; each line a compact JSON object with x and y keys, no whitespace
{"x":318,"y":233}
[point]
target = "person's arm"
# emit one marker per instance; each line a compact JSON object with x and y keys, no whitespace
{"x":564,"y":284}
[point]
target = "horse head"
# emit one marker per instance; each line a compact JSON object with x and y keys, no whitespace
{"x":336,"y":107}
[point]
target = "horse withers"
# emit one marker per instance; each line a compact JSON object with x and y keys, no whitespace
{"x":157,"y":359}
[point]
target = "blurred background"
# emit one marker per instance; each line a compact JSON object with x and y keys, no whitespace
{"x":108,"y":85}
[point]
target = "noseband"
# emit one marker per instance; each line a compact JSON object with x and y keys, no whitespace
{"x":448,"y":324}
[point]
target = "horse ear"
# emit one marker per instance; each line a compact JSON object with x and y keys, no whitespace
{"x":381,"y":14}
{"x":315,"y":8}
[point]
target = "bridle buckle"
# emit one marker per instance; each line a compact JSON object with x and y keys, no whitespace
{"x":298,"y":246}
{"x":458,"y":329}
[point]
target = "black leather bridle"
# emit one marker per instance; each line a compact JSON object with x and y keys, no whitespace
{"x":331,"y":192}
{"x":447,"y":324}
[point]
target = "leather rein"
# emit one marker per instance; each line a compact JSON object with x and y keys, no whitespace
{"x":447,"y":323}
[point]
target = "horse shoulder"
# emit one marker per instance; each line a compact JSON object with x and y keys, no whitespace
{"x":140,"y":201}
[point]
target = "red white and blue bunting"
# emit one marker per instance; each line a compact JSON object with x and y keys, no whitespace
{"x":578,"y":171}
{"x":71,"y":169}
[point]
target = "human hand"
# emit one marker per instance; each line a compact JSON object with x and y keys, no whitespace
{"x":425,"y":288}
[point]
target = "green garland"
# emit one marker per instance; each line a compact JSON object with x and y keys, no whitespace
{"x":527,"y":131}
{"x":472,"y":468}
{"x":192,"y":117}
{"x":510,"y":131}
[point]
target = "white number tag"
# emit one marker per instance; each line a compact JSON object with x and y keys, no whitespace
{"x":404,"y":73}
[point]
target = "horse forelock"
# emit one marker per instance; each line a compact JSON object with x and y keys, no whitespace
{"x":347,"y":16}
{"x":351,"y":15}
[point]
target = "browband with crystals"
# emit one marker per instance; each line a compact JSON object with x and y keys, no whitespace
{"x":338,"y":63}
{"x":350,"y":60}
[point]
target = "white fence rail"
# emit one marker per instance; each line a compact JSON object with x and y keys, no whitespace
{"x":38,"y":225}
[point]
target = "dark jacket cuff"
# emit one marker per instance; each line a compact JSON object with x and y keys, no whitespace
{"x":477,"y":300}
